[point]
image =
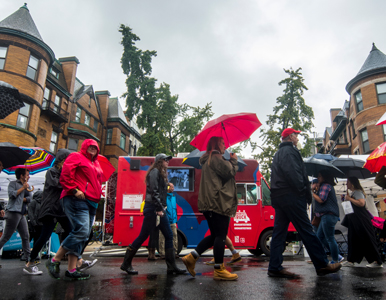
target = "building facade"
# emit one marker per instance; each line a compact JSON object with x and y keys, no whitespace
{"x":60,"y":111}
{"x":353,"y":129}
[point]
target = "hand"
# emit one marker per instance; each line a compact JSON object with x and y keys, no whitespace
{"x":79,"y":194}
{"x":2,"y":213}
{"x":233,"y":155}
{"x":160,"y":213}
{"x":25,"y":185}
{"x":24,"y":199}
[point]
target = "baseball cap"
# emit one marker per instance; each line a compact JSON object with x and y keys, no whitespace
{"x":286,"y":132}
{"x":162,"y":156}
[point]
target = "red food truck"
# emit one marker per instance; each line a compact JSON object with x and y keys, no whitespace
{"x":250,"y":229}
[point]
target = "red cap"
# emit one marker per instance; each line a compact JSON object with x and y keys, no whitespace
{"x":286,"y":132}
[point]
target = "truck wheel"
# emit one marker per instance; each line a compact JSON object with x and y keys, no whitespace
{"x":255,"y":252}
{"x":265,"y":242}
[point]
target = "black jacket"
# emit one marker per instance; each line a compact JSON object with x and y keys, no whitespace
{"x":51,"y":206}
{"x":34,"y":208}
{"x":288,"y":173}
{"x":156,"y":190}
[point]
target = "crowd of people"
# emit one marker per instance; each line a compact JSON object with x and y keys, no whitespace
{"x":72,"y":191}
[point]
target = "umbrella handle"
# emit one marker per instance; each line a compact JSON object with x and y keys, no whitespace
{"x":31,"y":188}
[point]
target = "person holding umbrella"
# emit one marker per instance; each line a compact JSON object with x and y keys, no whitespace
{"x":217,"y":200}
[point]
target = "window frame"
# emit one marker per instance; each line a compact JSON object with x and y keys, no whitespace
{"x":77,"y":144}
{"x":87,"y":119}
{"x":384,"y":132}
{"x":3,"y":58}
{"x":120,"y":141}
{"x":97,"y":124}
{"x":365,"y":142}
{"x":382,"y":94}
{"x":46,"y":99}
{"x":32,"y":68}
{"x":56,"y":105}
{"x":358,"y":103}
{"x":55,"y":143}
{"x":78,"y":117}
{"x":109,"y":136}
{"x":26,"y":105}
{"x":244,"y":186}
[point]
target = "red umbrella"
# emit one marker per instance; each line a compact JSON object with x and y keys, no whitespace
{"x":377,"y":159}
{"x":106,"y":166}
{"x":233,"y":129}
{"x":382,"y":120}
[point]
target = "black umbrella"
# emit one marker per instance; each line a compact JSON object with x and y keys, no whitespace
{"x":328,"y":157}
{"x":352,"y":168}
{"x":11,"y":155}
{"x":10,"y":100}
{"x":192,"y":159}
{"x":315,"y":165}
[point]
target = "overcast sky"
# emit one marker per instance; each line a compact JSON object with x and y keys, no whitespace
{"x":230,"y":53}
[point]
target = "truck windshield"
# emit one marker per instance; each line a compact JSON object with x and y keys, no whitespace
{"x":266,"y":193}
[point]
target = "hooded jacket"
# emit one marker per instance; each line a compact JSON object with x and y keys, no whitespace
{"x":50,"y":206}
{"x":34,"y":208}
{"x":218,"y":185}
{"x":156,"y":190}
{"x":83,"y":172}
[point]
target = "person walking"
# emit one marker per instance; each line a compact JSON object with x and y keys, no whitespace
{"x":155,"y":203}
{"x":19,"y":197}
{"x":235,"y":254}
{"x":290,"y":193}
{"x":217,"y":200}
{"x":81,"y":179}
{"x":361,"y":234}
{"x":326,"y":208}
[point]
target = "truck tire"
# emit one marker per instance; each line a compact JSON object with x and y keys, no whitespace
{"x":265,"y":242}
{"x":255,"y":252}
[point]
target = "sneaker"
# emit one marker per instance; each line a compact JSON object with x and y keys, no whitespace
{"x":340,"y":258}
{"x":76,"y":276}
{"x":53,"y":268}
{"x":210,"y":262}
{"x":330,"y":268}
{"x":374,"y":264}
{"x":283,"y":274}
{"x":86,"y":264}
{"x":235,"y":258}
{"x":32,"y":270}
{"x":348,"y":264}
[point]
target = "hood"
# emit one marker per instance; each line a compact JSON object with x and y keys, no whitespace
{"x":205,"y":157}
{"x":38,"y":195}
{"x":61,"y":155}
{"x":87,"y":143}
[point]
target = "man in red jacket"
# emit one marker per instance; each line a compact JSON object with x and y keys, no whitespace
{"x":81,"y":179}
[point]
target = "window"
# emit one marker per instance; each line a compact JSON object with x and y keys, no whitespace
{"x":3,"y":54}
{"x":46,"y":97}
{"x":247,"y":193}
{"x":57,"y":103}
{"x":73,"y":144}
{"x":365,"y":141}
{"x":353,"y":129}
{"x":56,"y":74}
{"x":358,"y":100}
{"x":87,"y":119}
{"x":109,"y":136}
{"x":54,"y":140}
{"x":266,"y":192}
{"x":384,"y":132}
{"x":343,"y":138}
{"x":22,"y":118}
{"x":95,"y":125}
{"x":32,"y":67}
{"x":381,"y":91}
{"x":78,"y":114}
{"x":122,"y":142}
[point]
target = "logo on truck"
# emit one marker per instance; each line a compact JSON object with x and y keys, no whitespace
{"x":241,"y":216}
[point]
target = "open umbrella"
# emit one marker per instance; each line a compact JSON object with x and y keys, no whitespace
{"x":106,"y":166}
{"x":10,"y":100}
{"x":382,"y":120}
{"x":39,"y":160}
{"x":11,"y":155}
{"x":327,"y":157}
{"x":314,"y":166}
{"x":352,"y":168}
{"x":377,"y":159}
{"x":233,"y":129}
{"x":192,"y":159}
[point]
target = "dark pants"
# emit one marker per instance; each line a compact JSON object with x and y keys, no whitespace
{"x":149,"y":224}
{"x":218,"y":226}
{"x":292,"y":208}
{"x":48,"y":227}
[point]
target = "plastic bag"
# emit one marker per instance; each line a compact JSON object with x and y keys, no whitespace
{"x":347,"y":207}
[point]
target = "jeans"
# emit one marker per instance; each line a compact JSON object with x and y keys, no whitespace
{"x":81,"y":216}
{"x":218,"y":226}
{"x":326,"y":231}
{"x":293,"y":208}
{"x":148,"y":225}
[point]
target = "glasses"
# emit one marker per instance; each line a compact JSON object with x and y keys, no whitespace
{"x":167,"y":160}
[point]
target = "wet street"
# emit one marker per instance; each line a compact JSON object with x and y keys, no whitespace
{"x":109,"y":282}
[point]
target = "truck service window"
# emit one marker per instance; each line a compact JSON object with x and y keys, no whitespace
{"x":247,"y":193}
{"x":182,"y":179}
{"x":266,"y":193}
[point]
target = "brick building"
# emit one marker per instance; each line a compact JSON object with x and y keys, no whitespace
{"x":353,"y":129}
{"x":60,"y":111}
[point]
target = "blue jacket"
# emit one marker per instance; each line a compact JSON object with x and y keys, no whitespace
{"x":171,"y":208}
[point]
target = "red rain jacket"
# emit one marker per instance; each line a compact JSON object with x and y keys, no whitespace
{"x":83,"y":173}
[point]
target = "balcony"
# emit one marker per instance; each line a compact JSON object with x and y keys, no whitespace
{"x":54,"y":111}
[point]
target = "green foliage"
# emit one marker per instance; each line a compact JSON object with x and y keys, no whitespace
{"x":169,"y":126}
{"x":290,"y":111}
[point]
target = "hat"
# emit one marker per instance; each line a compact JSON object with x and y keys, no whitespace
{"x":286,"y":132}
{"x":162,"y":156}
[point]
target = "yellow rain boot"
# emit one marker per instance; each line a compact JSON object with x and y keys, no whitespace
{"x":223,"y":274}
{"x":235,"y":258}
{"x":210,"y":263}
{"x":190,"y":263}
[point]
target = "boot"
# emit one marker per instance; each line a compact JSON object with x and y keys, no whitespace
{"x":210,"y":263}
{"x":190,"y":263}
{"x":151,"y":254}
{"x":223,"y":274}
{"x":126,"y":265}
{"x":171,"y":262}
{"x":235,"y":258}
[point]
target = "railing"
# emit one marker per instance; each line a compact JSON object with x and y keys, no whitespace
{"x":55,"y":110}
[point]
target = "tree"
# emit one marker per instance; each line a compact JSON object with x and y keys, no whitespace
{"x":169,"y":126}
{"x":290,"y":111}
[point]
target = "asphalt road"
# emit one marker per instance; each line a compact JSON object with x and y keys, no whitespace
{"x":109,"y":282}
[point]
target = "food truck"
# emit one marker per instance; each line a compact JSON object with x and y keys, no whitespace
{"x":251,"y":228}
